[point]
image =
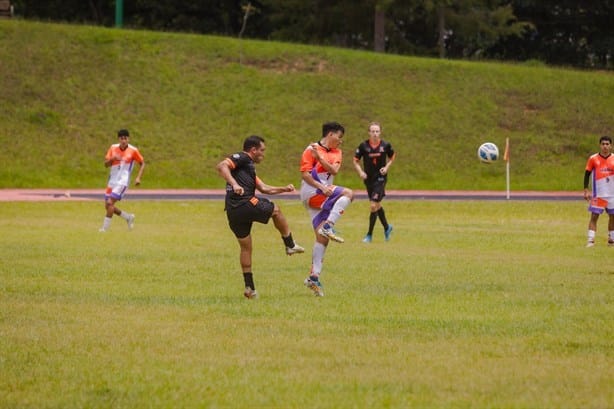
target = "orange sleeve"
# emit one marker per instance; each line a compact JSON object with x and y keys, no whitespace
{"x":138,"y":157}
{"x":109,"y":154}
{"x":307,"y":161}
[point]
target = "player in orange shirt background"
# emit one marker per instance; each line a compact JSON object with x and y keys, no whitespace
{"x":324,"y":201}
{"x":121,"y":158}
{"x":601,"y":167}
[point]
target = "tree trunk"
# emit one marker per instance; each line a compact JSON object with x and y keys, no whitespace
{"x":441,"y":27}
{"x":379,"y":33}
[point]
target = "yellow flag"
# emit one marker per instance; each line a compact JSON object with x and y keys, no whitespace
{"x":506,"y":154}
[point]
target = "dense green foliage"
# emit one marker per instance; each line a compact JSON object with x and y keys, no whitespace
{"x":575,"y":33}
{"x":189,"y":100}
{"x":470,"y":305}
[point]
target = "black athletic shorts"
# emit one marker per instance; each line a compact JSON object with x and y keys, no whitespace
{"x":376,"y":189}
{"x":240,"y":218}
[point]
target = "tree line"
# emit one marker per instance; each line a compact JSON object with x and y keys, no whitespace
{"x":564,"y":32}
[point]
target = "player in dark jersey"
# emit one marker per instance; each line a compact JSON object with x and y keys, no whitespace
{"x":243,"y":207}
{"x":377,"y":155}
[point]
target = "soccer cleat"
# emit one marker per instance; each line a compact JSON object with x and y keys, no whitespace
{"x":250,"y":294}
{"x":590,"y":243}
{"x":102,"y":230}
{"x":367,"y":239}
{"x":294,"y":250}
{"x":130,"y":221}
{"x":327,"y":231}
{"x":388,"y":232}
{"x":610,"y":243}
{"x":314,"y":285}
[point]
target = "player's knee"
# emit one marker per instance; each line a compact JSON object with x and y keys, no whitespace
{"x":276,"y":211}
{"x":349,"y":193}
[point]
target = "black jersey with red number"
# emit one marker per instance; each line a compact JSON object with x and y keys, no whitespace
{"x":243,"y":169}
{"x":374,"y":158}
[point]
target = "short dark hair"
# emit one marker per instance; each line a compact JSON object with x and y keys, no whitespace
{"x":252,"y":141}
{"x":605,"y":138}
{"x":123,"y":132}
{"x":332,"y":127}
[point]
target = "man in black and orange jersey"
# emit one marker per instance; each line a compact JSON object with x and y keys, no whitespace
{"x":377,"y":155}
{"x":243,"y":207}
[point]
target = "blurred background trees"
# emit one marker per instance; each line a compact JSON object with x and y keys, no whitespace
{"x":564,"y":32}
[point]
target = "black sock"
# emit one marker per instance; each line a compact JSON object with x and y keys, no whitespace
{"x":288,"y":241}
{"x":372,"y":219}
{"x":249,"y":280}
{"x":382,"y":217}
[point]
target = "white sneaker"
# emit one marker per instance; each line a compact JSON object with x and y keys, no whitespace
{"x":130,"y":221}
{"x":294,"y":250}
{"x":590,"y":243}
{"x":250,"y":294}
{"x":327,"y":231}
{"x":315,"y":286}
{"x":102,"y":230}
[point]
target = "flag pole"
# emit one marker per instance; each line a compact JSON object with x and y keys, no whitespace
{"x":506,"y":157}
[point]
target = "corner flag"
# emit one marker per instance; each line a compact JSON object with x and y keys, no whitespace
{"x":506,"y":158}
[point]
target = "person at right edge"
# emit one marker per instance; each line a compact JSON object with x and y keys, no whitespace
{"x":601,"y":166}
{"x":377,"y":156}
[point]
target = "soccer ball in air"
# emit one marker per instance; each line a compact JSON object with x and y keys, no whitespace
{"x":488,"y":152}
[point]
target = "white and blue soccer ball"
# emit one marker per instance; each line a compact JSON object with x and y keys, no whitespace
{"x":488,"y":152}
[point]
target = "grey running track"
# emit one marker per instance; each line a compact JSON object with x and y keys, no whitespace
{"x":135,"y":193}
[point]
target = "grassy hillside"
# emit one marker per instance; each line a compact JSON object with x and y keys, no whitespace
{"x":190,"y":99}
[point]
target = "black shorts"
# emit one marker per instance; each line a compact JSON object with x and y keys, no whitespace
{"x":376,"y":189}
{"x":240,"y":218}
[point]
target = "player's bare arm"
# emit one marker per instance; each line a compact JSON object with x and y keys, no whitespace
{"x":109,"y":162}
{"x":273,"y":190}
{"x":332,"y":168}
{"x":224,"y":171}
{"x":384,"y":170}
{"x":327,"y":190}
{"x":137,"y":181}
{"x":359,"y":169}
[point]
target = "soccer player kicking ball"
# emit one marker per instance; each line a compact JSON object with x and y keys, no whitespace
{"x":243,"y":207}
{"x":324,"y":201}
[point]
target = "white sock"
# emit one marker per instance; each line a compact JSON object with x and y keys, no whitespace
{"x":125,"y":215}
{"x":591,"y":235}
{"x":611,"y":234}
{"x":339,"y":208}
{"x":106,"y":223}
{"x":317,"y":258}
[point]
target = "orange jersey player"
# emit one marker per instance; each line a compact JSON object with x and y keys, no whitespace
{"x":324,"y":201}
{"x":601,"y":167}
{"x":121,"y":158}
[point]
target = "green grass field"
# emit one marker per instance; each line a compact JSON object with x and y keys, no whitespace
{"x":472,"y":304}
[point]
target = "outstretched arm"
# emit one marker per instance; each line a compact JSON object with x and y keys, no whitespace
{"x":272,"y":190}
